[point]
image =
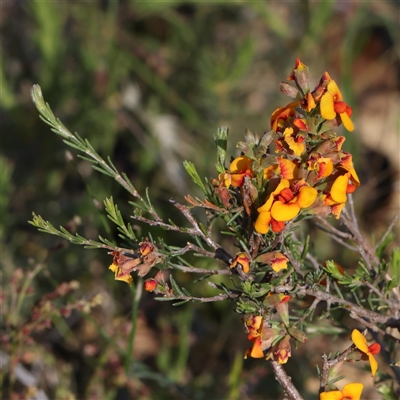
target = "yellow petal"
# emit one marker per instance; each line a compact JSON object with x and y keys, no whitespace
{"x":339,"y":188}
{"x":352,"y":391}
{"x":240,"y":164}
{"x":347,"y":122}
{"x":333,"y":89}
{"x":307,"y":196}
{"x":125,"y":278}
{"x":297,"y":148}
{"x":359,"y":340}
{"x":284,"y":212}
{"x":327,"y":110}
{"x":113,"y":267}
{"x":283,"y":184}
{"x":262,"y":222}
{"x":373,"y":363}
{"x":333,"y":395}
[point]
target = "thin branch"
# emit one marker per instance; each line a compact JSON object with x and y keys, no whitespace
{"x":196,"y":229}
{"x":191,"y":247}
{"x":308,"y":312}
{"x":328,"y":364}
{"x":286,"y":381}
{"x":388,"y":230}
{"x":194,"y":270}
{"x":327,"y":227}
{"x":324,"y":296}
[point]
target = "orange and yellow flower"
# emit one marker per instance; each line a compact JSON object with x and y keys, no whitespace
{"x":361,"y":343}
{"x":323,"y":166}
{"x":283,"y":205}
{"x":254,"y":326}
{"x":280,"y":116}
{"x":351,"y":391}
{"x":337,"y":196}
{"x":332,"y":104}
{"x":244,"y":260}
{"x":239,"y":168}
{"x":295,"y":142}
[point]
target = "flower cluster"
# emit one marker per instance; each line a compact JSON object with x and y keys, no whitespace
{"x":310,"y":173}
{"x":147,"y":257}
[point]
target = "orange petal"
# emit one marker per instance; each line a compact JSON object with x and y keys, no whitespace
{"x":310,"y":102}
{"x":288,"y":169}
{"x":337,"y":209}
{"x":256,"y":351}
{"x":327,"y":110}
{"x":237,"y":180}
{"x":277,"y":226}
{"x":284,"y":212}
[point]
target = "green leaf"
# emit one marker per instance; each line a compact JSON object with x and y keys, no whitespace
{"x":221,"y":140}
{"x":175,"y":287}
{"x":191,"y":170}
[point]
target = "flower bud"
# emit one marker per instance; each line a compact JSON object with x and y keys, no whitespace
{"x":289,"y":90}
{"x":297,"y":334}
{"x":150,"y":285}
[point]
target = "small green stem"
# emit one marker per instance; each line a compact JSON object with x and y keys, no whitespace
{"x":136,"y":295}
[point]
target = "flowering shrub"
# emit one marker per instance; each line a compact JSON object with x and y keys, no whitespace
{"x":298,"y":170}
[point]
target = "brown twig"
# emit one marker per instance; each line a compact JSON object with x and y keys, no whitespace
{"x":285,"y":381}
{"x":388,"y":230}
{"x":194,"y":270}
{"x":328,"y":364}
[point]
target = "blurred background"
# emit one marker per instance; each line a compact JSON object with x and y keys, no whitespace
{"x":148,"y":83}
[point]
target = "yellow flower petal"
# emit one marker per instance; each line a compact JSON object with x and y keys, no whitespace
{"x":339,"y":188}
{"x":262,"y":222}
{"x":333,"y":395}
{"x":240,"y":164}
{"x":327,"y":109}
{"x":347,"y":122}
{"x":125,"y":278}
{"x":307,"y":196}
{"x":333,"y":89}
{"x":284,"y":212}
{"x":359,"y":340}
{"x":373,"y":363}
{"x":283,"y":184}
{"x":113,"y":267}
{"x":297,"y":148}
{"x":352,"y":391}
